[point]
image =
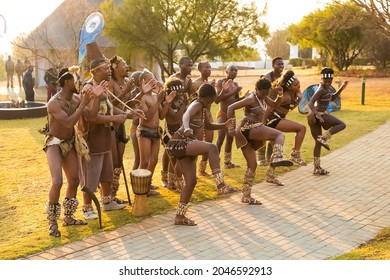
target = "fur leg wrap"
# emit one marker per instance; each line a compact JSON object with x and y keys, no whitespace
{"x":218,"y":177}
{"x":106,"y":199}
{"x":327,"y":135}
{"x":227,"y":158}
{"x":53,"y":212}
{"x":164,"y":176}
{"x":270,"y":173}
{"x":115,"y":181}
{"x":172,"y":181}
{"x":87,"y":207}
{"x":277,"y":151}
{"x":318,"y":170}
{"x":317,"y":162}
{"x":182,"y":209}
{"x":202,"y":166}
{"x":70,"y":206}
{"x":180,"y":183}
{"x":248,"y":182}
{"x":296,"y":157}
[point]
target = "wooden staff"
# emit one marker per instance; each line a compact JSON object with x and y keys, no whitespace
{"x":124,"y":104}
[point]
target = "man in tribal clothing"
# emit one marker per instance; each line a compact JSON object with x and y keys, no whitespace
{"x":64,"y":110}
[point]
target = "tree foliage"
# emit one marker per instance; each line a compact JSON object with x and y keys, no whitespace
{"x":379,"y":12}
{"x":243,"y":53}
{"x":377,"y":50}
{"x":277,"y":45}
{"x":337,"y":30}
{"x":196,"y":27}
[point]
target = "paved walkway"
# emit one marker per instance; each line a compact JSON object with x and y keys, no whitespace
{"x":311,"y":217}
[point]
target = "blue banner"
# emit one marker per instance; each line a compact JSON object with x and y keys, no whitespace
{"x":92,"y":27}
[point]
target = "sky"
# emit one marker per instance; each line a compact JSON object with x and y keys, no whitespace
{"x":23,"y":16}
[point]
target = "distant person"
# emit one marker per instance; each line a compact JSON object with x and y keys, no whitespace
{"x":19,"y":69}
{"x":10,"y":69}
{"x":319,"y":117}
{"x":50,"y":78}
{"x":28,"y":84}
{"x":27,"y":64}
{"x":276,"y":73}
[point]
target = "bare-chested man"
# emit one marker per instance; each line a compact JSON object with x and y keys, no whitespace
{"x":185,"y":65}
{"x":148,"y":130}
{"x":120,"y":85}
{"x":204,"y":134}
{"x":226,"y":98}
{"x":97,"y":120}
{"x":64,"y":110}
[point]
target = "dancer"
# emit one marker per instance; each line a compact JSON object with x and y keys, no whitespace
{"x":173,"y":120}
{"x":120,"y":85}
{"x":136,"y":94}
{"x":64,"y":110}
{"x":185,"y":65}
{"x":251,"y":133}
{"x":95,"y":124}
{"x":224,"y":99}
{"x":276,"y":117}
{"x":148,"y":131}
{"x":204,"y":134}
{"x":319,"y":117}
{"x":185,"y":148}
{"x":276,"y":73}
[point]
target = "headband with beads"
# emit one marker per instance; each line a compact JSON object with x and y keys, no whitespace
{"x":327,"y":75}
{"x":176,"y":88}
{"x":291,"y":80}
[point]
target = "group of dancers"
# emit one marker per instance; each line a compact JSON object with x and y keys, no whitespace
{"x":86,"y":135}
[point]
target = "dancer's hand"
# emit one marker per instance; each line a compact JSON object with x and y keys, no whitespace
{"x":345,"y":83}
{"x":100,"y":88}
{"x":226,"y":85}
{"x":136,"y":113}
{"x":188,"y":132}
{"x":318,"y":116}
{"x":230,"y":124}
{"x":169,"y":97}
{"x":85,"y":97}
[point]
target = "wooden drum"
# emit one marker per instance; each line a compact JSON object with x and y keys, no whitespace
{"x":141,"y":180}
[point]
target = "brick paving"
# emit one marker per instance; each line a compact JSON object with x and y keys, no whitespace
{"x":310,"y":218}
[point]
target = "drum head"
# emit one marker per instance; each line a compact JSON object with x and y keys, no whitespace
{"x":303,"y":106}
{"x":141,"y":173}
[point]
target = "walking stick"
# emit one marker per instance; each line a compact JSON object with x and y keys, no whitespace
{"x":123,"y":168}
{"x":96,"y":201}
{"x":127,"y":188}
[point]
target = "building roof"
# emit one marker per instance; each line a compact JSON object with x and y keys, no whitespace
{"x":61,"y":29}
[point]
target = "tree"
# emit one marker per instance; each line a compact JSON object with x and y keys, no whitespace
{"x":56,"y":39}
{"x":337,"y":30}
{"x":377,"y":49}
{"x":243,"y":53}
{"x":378,"y":11}
{"x":277,"y":45}
{"x":196,"y":27}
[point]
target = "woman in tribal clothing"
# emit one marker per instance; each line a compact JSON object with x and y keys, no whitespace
{"x":276,"y":117}
{"x":185,"y":148}
{"x":251,"y":133}
{"x":319,"y":117}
